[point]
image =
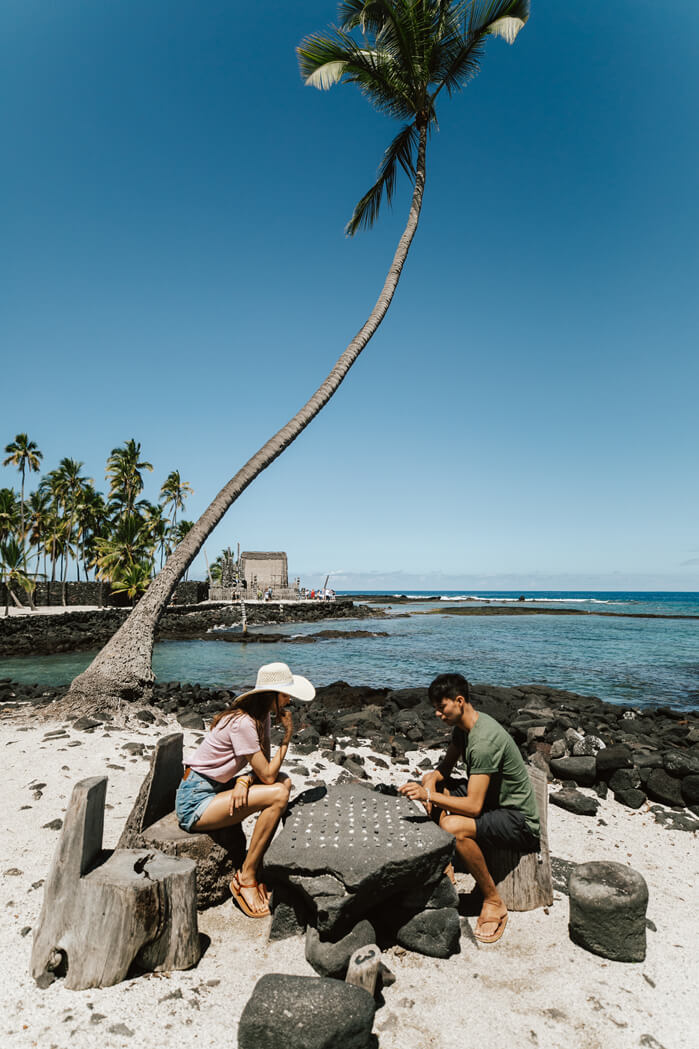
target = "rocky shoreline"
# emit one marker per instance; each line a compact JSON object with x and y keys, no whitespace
{"x":74,"y":631}
{"x":641,"y":757}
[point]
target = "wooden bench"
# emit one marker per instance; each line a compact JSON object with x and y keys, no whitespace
{"x":104,"y":912}
{"x":152,"y":823}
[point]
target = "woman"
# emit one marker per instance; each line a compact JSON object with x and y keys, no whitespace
{"x":213,"y":795}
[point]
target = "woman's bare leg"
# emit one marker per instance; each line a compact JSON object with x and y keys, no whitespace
{"x":270,"y":800}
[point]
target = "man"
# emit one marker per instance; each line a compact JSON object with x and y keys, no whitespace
{"x":495,"y":806}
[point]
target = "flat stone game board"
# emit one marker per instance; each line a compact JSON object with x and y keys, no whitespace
{"x":373,"y":844}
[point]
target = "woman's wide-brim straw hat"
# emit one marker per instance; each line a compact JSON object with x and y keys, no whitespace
{"x":276,"y":677}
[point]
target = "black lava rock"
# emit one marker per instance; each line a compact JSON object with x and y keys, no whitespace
{"x":664,"y":788}
{"x":574,"y":801}
{"x":612,"y":758}
{"x":332,"y":959}
{"x":306,"y":1012}
{"x":582,"y":770}
{"x":435,"y":933}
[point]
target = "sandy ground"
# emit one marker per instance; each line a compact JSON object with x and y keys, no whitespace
{"x":534,"y":988}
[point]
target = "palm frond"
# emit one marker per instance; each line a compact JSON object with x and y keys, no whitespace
{"x":400,"y":152}
{"x":458,"y":58}
{"x":326,"y":59}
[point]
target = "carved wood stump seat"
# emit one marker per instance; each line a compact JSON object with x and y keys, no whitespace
{"x":104,"y":912}
{"x":152,"y":823}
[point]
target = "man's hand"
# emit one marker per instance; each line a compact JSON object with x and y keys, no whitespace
{"x":239,"y":796}
{"x":431,"y":779}
{"x":417,"y":792}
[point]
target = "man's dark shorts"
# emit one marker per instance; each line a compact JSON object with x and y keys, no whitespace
{"x":498,"y":827}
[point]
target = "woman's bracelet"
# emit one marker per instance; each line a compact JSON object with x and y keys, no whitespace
{"x":245,"y":780}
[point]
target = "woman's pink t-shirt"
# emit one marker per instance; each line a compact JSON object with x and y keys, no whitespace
{"x":226,"y":749}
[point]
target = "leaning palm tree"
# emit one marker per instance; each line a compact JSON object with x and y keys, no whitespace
{"x":401,"y":54}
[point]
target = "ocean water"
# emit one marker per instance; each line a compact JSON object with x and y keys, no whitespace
{"x":626,"y":660}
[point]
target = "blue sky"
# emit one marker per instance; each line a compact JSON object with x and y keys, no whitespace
{"x":175,"y":270}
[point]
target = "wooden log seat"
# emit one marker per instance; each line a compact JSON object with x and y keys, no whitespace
{"x":524,"y":879}
{"x":152,"y":823}
{"x":105,"y":912}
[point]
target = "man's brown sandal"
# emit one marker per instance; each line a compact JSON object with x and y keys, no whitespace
{"x":500,"y":923}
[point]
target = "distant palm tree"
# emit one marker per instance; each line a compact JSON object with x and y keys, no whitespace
{"x":125,"y":474}
{"x":12,"y":571}
{"x":39,"y":509}
{"x":173,"y":493}
{"x":159,"y":529}
{"x":25,"y":455}
{"x":70,"y":485}
{"x":402,"y":55}
{"x":92,"y":523}
{"x":133,"y":581}
{"x":9,"y":514}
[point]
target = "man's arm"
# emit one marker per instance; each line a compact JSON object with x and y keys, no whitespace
{"x":443,"y":770}
{"x":471,"y":805}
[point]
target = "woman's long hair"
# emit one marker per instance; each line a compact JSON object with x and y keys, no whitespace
{"x":257,"y":706}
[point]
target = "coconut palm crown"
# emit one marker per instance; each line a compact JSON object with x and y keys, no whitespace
{"x":402,"y":55}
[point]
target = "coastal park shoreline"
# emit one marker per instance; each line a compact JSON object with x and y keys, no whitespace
{"x":49,"y":631}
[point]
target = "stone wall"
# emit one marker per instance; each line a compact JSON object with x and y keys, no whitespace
{"x":83,"y":593}
{"x":190,"y":592}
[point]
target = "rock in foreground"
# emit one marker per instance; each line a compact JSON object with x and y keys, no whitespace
{"x":306,"y":1012}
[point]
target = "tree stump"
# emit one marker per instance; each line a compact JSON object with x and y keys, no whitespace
{"x":523,"y":879}
{"x":104,"y":912}
{"x":608,"y":910}
{"x":152,"y":823}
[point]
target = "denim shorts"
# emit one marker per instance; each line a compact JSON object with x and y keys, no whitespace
{"x":194,"y":795}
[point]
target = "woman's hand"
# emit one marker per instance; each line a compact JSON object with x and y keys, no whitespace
{"x":287,"y":723}
{"x":239,"y":796}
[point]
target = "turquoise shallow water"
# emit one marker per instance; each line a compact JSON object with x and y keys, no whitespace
{"x":635,"y":662}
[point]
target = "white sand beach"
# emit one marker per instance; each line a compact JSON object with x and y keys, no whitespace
{"x":533,"y":988}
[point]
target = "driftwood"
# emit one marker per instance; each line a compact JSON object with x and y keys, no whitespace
{"x":104,"y":912}
{"x":524,"y":879}
{"x":152,"y":824}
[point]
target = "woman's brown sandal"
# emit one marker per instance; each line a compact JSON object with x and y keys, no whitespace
{"x":236,"y":886}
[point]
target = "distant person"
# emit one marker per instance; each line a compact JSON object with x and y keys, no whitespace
{"x":213,"y":794}
{"x":313,"y":594}
{"x":259,"y":594}
{"x":496,"y":806}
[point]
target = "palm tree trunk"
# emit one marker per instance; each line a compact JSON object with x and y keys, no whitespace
{"x":122,"y":670}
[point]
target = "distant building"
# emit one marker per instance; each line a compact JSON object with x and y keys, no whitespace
{"x":260,"y":569}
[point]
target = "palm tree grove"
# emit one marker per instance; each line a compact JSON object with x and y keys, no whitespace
{"x":402,"y":55}
{"x":66,"y":527}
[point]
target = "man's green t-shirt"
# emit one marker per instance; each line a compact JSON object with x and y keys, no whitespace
{"x":488,"y":749}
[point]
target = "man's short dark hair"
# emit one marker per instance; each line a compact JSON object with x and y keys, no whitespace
{"x":448,"y":686}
